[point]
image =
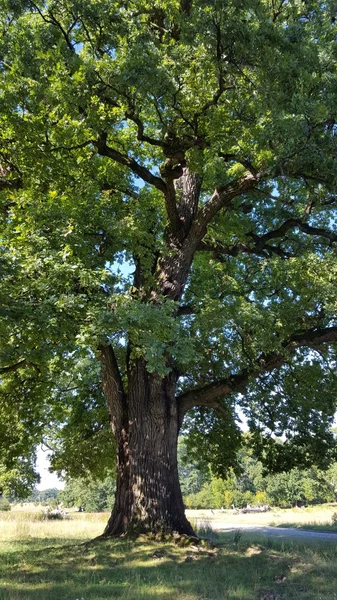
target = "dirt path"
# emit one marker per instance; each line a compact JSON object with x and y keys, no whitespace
{"x":285,"y":532}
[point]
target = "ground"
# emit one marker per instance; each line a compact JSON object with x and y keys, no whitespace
{"x":49,"y":560}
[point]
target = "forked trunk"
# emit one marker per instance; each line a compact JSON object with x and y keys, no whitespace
{"x":148,"y":496}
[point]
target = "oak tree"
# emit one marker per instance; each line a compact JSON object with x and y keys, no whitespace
{"x":168,"y":209}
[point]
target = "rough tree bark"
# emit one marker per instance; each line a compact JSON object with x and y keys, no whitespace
{"x":148,"y":496}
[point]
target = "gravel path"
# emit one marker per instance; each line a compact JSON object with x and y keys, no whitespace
{"x":285,"y":532}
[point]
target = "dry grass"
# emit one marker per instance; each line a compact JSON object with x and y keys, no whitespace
{"x":62,"y":530}
{"x":313,"y":515}
{"x":75,"y":526}
{"x":27,"y":507}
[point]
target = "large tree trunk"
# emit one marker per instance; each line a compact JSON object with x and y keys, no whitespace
{"x":148,"y":496}
{"x":145,"y":417}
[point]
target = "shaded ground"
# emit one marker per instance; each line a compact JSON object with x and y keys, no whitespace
{"x":240,"y":569}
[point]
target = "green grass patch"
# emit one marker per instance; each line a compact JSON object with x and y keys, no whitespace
{"x":243,"y":566}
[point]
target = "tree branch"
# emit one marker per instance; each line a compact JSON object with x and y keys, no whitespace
{"x":166,"y":187}
{"x":221,"y":82}
{"x":277,"y":11}
{"x":260,"y":246}
{"x":284,"y":170}
{"x":135,"y":167}
{"x":186,"y":7}
{"x":14,"y":367}
{"x":264,"y":251}
{"x":131,"y":114}
{"x":112,"y":385}
{"x":221,"y":198}
{"x":291,"y":224}
{"x":271,"y":196}
{"x":107,"y":187}
{"x":211,"y":394}
{"x":185,"y":310}
{"x":69,"y":148}
{"x":53,"y":21}
{"x":176,"y":225}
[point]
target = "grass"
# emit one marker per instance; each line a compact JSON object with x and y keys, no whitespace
{"x":321,"y":515}
{"x":48,"y":560}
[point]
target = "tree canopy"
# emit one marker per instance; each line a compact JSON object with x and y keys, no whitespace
{"x":168,"y":201}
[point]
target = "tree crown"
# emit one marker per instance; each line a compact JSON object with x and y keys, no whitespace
{"x":193,"y":141}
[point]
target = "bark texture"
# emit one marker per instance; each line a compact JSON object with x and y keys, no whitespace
{"x":148,"y":496}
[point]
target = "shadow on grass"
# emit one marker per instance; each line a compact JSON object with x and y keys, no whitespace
{"x":240,"y":570}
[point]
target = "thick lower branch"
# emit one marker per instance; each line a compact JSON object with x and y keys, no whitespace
{"x":14,"y":367}
{"x":260,"y":241}
{"x":260,"y":245}
{"x":263,"y":250}
{"x":211,"y":394}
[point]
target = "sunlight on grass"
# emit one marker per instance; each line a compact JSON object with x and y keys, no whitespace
{"x":316,"y":515}
{"x":78,"y":529}
{"x":47,"y":560}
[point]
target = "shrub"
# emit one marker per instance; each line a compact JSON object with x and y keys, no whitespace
{"x":334,"y":519}
{"x":261,"y":498}
{"x":54,"y":516}
{"x":202,"y":499}
{"x":4,"y":505}
{"x":228,"y":499}
{"x":241,"y":499}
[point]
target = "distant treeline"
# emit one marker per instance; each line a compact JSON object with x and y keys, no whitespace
{"x":43,"y":495}
{"x":296,"y":487}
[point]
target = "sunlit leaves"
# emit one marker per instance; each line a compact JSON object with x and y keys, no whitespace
{"x":226,"y":87}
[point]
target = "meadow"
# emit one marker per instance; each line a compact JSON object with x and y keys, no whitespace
{"x":320,"y":517}
{"x":55,"y":560}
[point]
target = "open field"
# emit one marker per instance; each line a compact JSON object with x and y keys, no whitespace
{"x":321,"y":516}
{"x":48,"y":560}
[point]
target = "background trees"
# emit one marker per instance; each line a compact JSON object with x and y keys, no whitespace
{"x":256,"y":487}
{"x":91,"y":496}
